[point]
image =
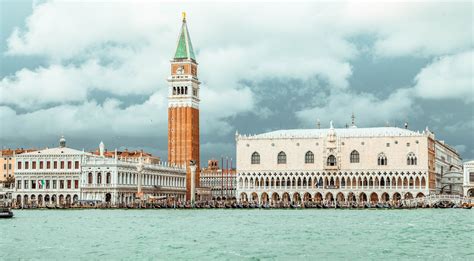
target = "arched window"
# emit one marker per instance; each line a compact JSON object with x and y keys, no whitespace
{"x":174,"y":90}
{"x":382,"y":159}
{"x":281,"y":158}
{"x":355,"y":156}
{"x":255,"y":158}
{"x":99,"y":178}
{"x":107,"y":178}
{"x":411,"y":159}
{"x":186,"y":90}
{"x":309,"y":157}
{"x":89,"y":178}
{"x":331,"y":161}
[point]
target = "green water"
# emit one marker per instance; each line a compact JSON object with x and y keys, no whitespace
{"x":435,"y":234}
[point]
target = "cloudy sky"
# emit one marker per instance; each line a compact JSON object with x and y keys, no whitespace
{"x":97,"y":70}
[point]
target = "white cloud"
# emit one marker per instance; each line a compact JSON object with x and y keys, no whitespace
{"x":124,"y":48}
{"x":447,"y":77}
{"x":105,"y":120}
{"x":218,"y":104}
{"x":368,"y":109}
{"x":414,"y":28}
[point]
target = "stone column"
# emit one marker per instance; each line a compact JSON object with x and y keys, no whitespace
{"x":192,"y":166}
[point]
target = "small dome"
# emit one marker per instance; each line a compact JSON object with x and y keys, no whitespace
{"x":62,"y":142}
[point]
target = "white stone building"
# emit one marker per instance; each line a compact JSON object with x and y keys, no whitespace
{"x":448,"y":169}
{"x":349,"y":164}
{"x":468,"y":179}
{"x":117,"y":182}
{"x":49,"y":176}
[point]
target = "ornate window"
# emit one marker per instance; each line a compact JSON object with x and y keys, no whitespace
{"x":309,"y":157}
{"x":108,"y":178}
{"x":281,"y":158}
{"x":89,"y":178}
{"x":411,"y":159}
{"x":382,"y":159}
{"x":355,"y":158}
{"x":331,"y":161}
{"x":255,"y":159}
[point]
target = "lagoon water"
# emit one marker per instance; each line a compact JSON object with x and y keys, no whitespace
{"x":311,"y":234}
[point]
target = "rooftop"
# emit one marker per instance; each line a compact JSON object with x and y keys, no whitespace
{"x":340,"y":132}
{"x":56,"y":151}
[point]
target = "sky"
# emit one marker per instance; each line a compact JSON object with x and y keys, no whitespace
{"x":96,"y":71}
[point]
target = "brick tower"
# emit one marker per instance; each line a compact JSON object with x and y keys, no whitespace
{"x":183,"y":108}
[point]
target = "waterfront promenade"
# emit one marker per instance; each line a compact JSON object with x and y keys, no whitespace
{"x":431,"y":201}
{"x":238,"y":235}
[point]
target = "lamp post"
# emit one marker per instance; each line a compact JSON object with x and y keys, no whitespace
{"x":192,"y":166}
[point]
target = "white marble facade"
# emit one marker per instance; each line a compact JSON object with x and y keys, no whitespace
{"x":113,"y":181}
{"x":354,"y":164}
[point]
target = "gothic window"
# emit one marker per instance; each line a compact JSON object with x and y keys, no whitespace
{"x":255,"y":158}
{"x":281,"y":158}
{"x":411,"y":159}
{"x":381,"y":159}
{"x":331,"y":161}
{"x":309,"y":157}
{"x":354,"y":156}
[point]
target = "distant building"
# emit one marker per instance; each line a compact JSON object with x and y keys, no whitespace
{"x":221,"y":182}
{"x":49,"y":176}
{"x":342,"y":164}
{"x":7,"y":163}
{"x":468,"y":179}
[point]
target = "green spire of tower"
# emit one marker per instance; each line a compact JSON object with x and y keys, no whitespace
{"x":184,"y":50}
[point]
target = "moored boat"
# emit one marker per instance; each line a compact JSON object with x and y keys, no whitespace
{"x":6,"y":213}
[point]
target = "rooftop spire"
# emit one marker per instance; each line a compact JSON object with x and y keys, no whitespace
{"x":184,"y":49}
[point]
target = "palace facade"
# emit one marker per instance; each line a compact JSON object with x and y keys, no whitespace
{"x":121,"y":182}
{"x":341,"y":164}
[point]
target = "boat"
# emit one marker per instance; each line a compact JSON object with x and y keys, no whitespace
{"x":6,"y":213}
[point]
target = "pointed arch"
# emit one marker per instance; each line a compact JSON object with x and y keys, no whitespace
{"x":411,"y":159}
{"x":381,"y":159}
{"x":255,"y":159}
{"x":354,"y":157}
{"x":309,"y":157}
{"x":331,"y":161}
{"x":281,"y":158}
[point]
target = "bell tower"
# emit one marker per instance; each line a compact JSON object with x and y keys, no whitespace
{"x":183,"y":108}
